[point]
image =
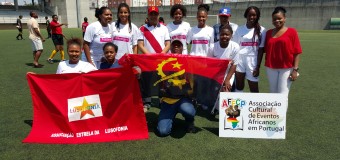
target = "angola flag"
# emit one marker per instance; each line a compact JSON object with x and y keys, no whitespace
{"x":100,"y":106}
{"x":208,"y":74}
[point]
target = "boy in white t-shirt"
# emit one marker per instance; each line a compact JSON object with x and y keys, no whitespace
{"x":226,"y":49}
{"x":153,"y":38}
{"x":224,"y":15}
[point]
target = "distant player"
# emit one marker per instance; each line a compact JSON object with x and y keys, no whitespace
{"x":84,"y":26}
{"x":48,"y":27}
{"x":58,"y":38}
{"x":19,"y":26}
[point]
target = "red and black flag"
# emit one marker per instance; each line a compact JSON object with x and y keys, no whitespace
{"x":207,"y":74}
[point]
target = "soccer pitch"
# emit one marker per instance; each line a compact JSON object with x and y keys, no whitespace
{"x":313,"y":130}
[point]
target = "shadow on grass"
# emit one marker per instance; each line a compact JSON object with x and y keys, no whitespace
{"x":206,"y":114}
{"x":29,"y":64}
{"x":151,"y":119}
{"x":212,"y":130}
{"x":179,"y":129}
{"x":29,"y":122}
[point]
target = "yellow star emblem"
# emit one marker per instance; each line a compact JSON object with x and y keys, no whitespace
{"x":176,"y":65}
{"x":84,"y":109}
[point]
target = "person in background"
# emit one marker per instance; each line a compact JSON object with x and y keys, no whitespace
{"x":36,"y":38}
{"x":97,"y":34}
{"x":84,"y":26}
{"x":178,"y":29}
{"x":74,"y":64}
{"x":224,"y":15}
{"x":19,"y":26}
{"x":57,"y":38}
{"x":175,"y":100}
{"x":283,"y":49}
{"x":251,"y":38}
{"x":153,"y":38}
{"x":110,"y":53}
{"x":161,"y":21}
{"x":48,"y":28}
{"x":201,"y":37}
{"x":125,"y":33}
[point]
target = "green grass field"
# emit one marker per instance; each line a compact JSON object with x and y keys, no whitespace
{"x":313,"y":130}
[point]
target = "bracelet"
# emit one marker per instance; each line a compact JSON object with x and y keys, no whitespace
{"x":296,"y":69}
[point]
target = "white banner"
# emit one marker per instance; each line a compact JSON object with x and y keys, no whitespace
{"x":253,"y":115}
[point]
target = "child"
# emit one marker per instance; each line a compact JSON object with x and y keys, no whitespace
{"x":227,"y":49}
{"x":201,"y":37}
{"x":110,"y":52}
{"x":74,"y":65}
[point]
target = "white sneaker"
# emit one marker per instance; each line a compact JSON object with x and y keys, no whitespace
{"x":146,"y":107}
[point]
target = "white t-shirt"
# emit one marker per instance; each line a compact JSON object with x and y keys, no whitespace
{"x":31,"y":25}
{"x":179,"y":32}
{"x":231,"y":52}
{"x":161,"y":34}
{"x":124,"y":38}
{"x":244,"y":37}
{"x":97,"y":36}
{"x":202,"y":41}
{"x":80,"y":67}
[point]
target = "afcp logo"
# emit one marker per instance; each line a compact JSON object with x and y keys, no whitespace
{"x":82,"y":108}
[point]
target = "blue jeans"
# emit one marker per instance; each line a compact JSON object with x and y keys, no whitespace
{"x":168,"y":113}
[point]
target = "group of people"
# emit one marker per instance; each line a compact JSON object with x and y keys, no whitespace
{"x":105,"y":42}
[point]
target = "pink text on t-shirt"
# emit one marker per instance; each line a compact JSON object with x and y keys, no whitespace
{"x":248,"y":43}
{"x":179,"y":37}
{"x":117,"y":38}
{"x":105,"y":39}
{"x":200,"y":42}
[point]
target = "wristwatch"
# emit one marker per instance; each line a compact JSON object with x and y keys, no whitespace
{"x":296,"y":69}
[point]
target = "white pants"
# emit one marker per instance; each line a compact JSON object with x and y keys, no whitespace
{"x":279,"y":81}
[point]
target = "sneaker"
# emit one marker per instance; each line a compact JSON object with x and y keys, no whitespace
{"x":191,"y":128}
{"x":50,"y":61}
{"x":146,"y":107}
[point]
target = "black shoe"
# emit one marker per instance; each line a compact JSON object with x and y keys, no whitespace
{"x":191,"y":128}
{"x":37,"y":65}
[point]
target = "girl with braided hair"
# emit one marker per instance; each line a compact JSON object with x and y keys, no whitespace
{"x":125,"y":33}
{"x":250,"y":37}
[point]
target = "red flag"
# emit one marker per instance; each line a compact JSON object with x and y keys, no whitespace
{"x":99,"y":106}
{"x":208,"y":73}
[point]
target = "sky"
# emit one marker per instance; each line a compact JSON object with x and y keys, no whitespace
{"x":20,"y":2}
